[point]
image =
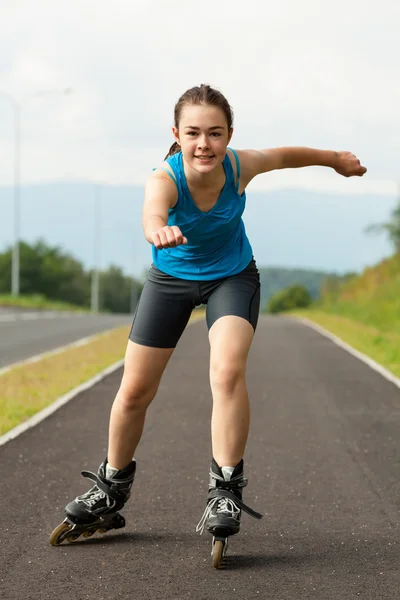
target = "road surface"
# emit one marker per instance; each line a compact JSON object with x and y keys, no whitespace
{"x":322,"y":460}
{"x":24,"y":334}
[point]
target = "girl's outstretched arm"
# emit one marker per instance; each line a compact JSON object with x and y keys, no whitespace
{"x":160,"y":195}
{"x":254,"y":162}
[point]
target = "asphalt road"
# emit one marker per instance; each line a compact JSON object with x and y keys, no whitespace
{"x":322,"y":460}
{"x":26,"y":333}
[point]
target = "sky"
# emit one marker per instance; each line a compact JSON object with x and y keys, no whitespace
{"x":309,"y":73}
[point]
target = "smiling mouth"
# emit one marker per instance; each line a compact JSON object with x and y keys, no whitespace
{"x":201,"y":157}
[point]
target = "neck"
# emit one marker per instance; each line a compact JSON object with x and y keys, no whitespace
{"x":202,"y":180}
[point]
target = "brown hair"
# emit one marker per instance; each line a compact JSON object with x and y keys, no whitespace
{"x":203,"y":94}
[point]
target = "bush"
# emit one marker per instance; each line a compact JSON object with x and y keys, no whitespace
{"x":295,"y":296}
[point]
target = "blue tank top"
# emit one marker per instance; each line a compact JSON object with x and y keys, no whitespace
{"x":217,"y":243}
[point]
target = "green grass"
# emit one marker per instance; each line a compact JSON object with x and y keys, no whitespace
{"x":28,"y":388}
{"x":378,"y":308}
{"x":382,"y":344}
{"x":364,"y":311}
{"x":38,"y":301}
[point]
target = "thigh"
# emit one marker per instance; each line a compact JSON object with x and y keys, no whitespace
{"x":230,"y":341}
{"x":163,"y":312}
{"x":237,"y":296}
{"x":143,"y":367}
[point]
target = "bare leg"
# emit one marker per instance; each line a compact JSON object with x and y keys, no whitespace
{"x":230,"y":339}
{"x":143,"y":370}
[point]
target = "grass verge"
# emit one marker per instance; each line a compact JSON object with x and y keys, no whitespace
{"x":381,"y":346}
{"x":39,"y":302}
{"x":26,"y":389}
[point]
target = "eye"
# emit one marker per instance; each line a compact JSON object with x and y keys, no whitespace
{"x":191,"y":133}
{"x":216,"y":134}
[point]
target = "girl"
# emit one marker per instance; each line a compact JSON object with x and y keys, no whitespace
{"x":192,"y":216}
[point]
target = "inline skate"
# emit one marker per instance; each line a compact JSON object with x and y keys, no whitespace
{"x":222,"y":515}
{"x":97,"y":509}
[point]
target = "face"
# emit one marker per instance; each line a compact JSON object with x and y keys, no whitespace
{"x":203,"y":136}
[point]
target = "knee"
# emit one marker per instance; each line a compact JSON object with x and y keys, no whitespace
{"x":135,"y":395}
{"x":226,"y":375}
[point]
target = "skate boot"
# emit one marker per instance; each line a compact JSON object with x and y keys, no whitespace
{"x":222,"y":515}
{"x":97,"y":509}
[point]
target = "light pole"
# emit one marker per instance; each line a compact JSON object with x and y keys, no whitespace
{"x":95,"y":288}
{"x":17,"y":108}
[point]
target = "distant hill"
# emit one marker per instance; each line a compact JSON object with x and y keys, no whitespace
{"x":274,"y":279}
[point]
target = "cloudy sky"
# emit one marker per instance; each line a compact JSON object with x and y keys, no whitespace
{"x":296,"y":73}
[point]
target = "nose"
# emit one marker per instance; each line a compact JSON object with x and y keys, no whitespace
{"x":203,"y":141}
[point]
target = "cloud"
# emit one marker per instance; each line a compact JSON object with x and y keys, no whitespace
{"x":296,"y":74}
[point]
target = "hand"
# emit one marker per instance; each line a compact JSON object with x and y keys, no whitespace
{"x":168,"y":237}
{"x":348,"y":165}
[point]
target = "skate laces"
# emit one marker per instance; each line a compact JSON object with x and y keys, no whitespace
{"x":224,"y":505}
{"x":92,"y":496}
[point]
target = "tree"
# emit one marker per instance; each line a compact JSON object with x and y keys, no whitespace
{"x":295,"y":296}
{"x":391,"y":228}
{"x":116,"y":291}
{"x":47,"y":271}
{"x":52,"y":273}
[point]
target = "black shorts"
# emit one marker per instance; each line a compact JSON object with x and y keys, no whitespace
{"x":166,"y":304}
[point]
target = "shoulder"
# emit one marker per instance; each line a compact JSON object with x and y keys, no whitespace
{"x":246,"y":161}
{"x":162,"y":183}
{"x":255,"y":162}
{"x":243,"y":163}
{"x":235,"y":161}
{"x":164,"y":171}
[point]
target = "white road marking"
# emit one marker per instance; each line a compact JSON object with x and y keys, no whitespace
{"x":363,"y":357}
{"x":31,"y":316}
{"x":37,"y":357}
{"x":49,"y":410}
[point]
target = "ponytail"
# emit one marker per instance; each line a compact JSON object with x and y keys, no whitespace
{"x":175,"y":148}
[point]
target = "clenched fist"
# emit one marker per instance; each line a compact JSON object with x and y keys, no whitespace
{"x":168,"y":237}
{"x":348,"y":165}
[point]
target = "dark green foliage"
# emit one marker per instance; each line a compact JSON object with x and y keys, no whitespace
{"x":56,"y":275}
{"x":115,"y":291}
{"x":332,"y":285}
{"x":391,"y":228}
{"x":295,"y":296}
{"x":274,"y":279}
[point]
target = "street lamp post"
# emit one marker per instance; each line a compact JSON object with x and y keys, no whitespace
{"x":95,"y":287}
{"x":17,"y":108}
{"x":17,"y":200}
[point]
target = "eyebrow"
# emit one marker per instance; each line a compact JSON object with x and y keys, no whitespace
{"x":210,"y":128}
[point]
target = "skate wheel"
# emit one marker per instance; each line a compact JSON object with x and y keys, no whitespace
{"x":57,"y":533}
{"x":102,"y":530}
{"x":118,"y":522}
{"x":72,"y":538}
{"x":87,"y":534}
{"x":217,"y":554}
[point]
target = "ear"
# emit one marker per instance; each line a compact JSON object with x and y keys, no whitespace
{"x":175,"y":133}
{"x":230,"y":134}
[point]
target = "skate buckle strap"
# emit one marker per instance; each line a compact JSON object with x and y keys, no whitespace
{"x":226,"y":493}
{"x":236,"y":482}
{"x":104,"y":486}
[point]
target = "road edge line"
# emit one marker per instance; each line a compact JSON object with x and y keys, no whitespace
{"x":55,"y":351}
{"x":363,"y":357}
{"x":49,"y":410}
{"x":59,"y":402}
